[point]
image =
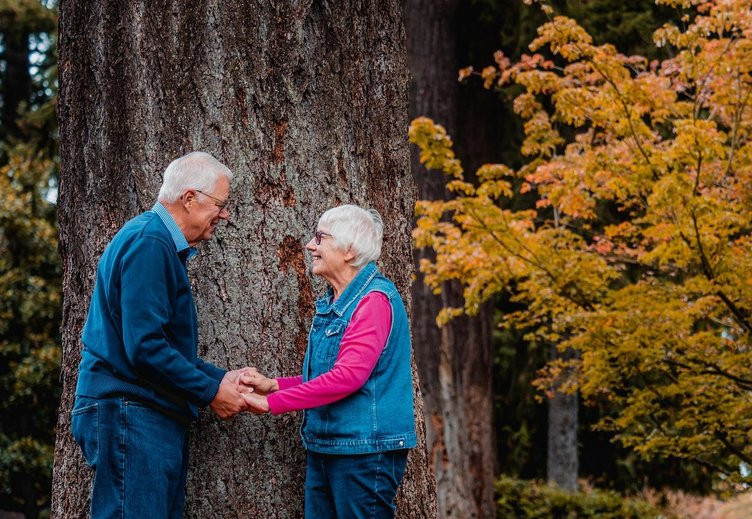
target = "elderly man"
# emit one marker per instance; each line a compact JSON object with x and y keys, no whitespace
{"x":140,"y":381}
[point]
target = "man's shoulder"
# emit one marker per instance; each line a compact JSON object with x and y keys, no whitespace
{"x":146,"y":225}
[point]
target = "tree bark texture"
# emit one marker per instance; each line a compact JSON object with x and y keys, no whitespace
{"x":455,"y":362}
{"x":307,"y":103}
{"x":562,"y":462}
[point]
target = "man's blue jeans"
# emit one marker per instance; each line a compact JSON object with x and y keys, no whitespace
{"x":140,"y":458}
{"x":353,"y":487}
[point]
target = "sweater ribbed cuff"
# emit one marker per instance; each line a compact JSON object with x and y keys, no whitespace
{"x":208,"y":395}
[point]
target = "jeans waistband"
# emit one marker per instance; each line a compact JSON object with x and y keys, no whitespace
{"x":169,"y":413}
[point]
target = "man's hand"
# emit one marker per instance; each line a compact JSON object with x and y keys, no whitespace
{"x":257,"y":382}
{"x":257,"y":404}
{"x":234,"y":375}
{"x":229,"y":400}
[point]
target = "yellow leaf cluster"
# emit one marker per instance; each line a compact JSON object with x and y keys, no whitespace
{"x":638,"y":252}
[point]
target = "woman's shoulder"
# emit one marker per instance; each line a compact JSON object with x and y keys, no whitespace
{"x":383,"y":284}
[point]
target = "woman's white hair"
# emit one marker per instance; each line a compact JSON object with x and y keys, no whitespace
{"x":196,"y":170}
{"x":357,"y":229}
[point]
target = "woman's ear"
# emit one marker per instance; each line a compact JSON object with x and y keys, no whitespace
{"x":349,"y":255}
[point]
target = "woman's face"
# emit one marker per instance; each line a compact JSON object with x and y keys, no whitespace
{"x":328,"y":261}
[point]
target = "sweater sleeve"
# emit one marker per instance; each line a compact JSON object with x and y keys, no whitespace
{"x":210,"y":369}
{"x":147,"y":284}
{"x":362,"y":343}
{"x":285,"y":382}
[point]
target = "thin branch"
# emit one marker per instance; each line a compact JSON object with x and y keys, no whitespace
{"x":698,"y":96}
{"x":628,"y":113}
{"x":706,"y":267}
{"x":696,"y":187}
{"x":711,"y":466}
{"x":743,"y":384}
{"x":737,"y":121}
{"x":732,"y":448}
{"x":725,"y":442}
{"x":740,"y":317}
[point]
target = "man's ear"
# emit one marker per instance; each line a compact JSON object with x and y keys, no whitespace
{"x":188,"y":198}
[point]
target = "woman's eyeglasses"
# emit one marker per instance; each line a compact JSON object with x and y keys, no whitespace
{"x":319,"y":235}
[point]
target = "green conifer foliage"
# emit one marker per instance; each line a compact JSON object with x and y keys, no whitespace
{"x":30,"y":272}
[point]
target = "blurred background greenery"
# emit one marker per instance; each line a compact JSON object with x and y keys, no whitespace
{"x":30,"y":273}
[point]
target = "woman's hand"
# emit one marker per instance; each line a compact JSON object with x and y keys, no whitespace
{"x":257,"y":404}
{"x":258,"y":382}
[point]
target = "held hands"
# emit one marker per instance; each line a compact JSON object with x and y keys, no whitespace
{"x":240,"y":390}
{"x":257,"y":403}
{"x":258,"y":383}
{"x":258,"y":387}
{"x":229,"y":400}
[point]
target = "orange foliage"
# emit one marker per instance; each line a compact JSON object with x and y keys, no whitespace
{"x":638,"y":251}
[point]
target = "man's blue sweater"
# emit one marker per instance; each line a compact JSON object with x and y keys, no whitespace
{"x":140,"y":337}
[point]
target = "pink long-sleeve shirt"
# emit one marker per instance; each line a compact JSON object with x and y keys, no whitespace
{"x":362,"y":343}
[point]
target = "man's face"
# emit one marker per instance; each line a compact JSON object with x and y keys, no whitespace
{"x":204,"y":215}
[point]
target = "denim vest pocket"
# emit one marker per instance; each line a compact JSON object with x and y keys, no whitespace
{"x":333,"y":336}
{"x":85,"y":431}
{"x":327,"y":343}
{"x":335,"y":328}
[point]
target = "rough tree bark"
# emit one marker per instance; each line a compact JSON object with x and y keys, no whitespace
{"x":307,"y":103}
{"x":455,"y":362}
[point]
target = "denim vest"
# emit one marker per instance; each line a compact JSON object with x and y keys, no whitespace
{"x":379,"y":416}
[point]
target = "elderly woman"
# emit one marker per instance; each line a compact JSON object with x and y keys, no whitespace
{"x":356,"y":385}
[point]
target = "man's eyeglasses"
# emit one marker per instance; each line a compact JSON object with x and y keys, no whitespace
{"x":319,"y":235}
{"x":222,"y":204}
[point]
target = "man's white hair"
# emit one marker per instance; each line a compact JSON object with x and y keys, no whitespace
{"x":357,"y":229}
{"x":196,"y":170}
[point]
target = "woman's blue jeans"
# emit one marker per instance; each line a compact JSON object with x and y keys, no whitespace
{"x":139,"y":457}
{"x":354,"y":486}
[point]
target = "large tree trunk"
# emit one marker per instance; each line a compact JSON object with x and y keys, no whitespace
{"x":455,"y":362}
{"x":307,"y":103}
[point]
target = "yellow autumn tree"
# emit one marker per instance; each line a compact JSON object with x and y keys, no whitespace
{"x":637,"y":253}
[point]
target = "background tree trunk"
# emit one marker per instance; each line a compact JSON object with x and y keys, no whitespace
{"x":307,"y":103}
{"x":562,"y":462}
{"x":455,"y":362}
